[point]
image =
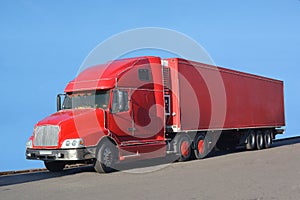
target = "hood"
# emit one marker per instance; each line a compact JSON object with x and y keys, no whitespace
{"x":87,"y":124}
{"x":64,"y":115}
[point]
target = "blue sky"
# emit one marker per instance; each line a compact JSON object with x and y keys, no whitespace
{"x":43,"y":44}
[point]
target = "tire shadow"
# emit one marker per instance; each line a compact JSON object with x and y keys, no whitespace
{"x":37,"y":176}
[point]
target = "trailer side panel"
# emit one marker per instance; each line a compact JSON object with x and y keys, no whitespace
{"x":217,"y":98}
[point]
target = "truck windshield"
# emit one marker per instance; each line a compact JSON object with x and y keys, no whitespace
{"x":98,"y":99}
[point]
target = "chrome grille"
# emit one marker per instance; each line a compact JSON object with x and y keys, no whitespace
{"x":46,"y":135}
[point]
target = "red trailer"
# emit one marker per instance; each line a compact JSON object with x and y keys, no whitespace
{"x":146,"y":107}
{"x":242,"y":107}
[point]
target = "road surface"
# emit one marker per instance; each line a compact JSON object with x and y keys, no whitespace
{"x":244,"y":175}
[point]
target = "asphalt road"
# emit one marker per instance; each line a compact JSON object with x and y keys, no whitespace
{"x":244,"y":175}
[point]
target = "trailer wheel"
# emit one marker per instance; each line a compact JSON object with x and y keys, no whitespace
{"x":54,"y":166}
{"x":251,"y":141}
{"x":106,"y":158}
{"x":184,"y":148}
{"x":200,"y":150}
{"x":267,"y":139}
{"x":259,"y":140}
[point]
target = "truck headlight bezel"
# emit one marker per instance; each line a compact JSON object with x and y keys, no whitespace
{"x":72,"y":143}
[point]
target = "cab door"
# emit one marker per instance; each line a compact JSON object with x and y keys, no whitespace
{"x":120,"y":119}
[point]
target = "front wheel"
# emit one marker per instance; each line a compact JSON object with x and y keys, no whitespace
{"x":106,"y":158}
{"x":54,"y":166}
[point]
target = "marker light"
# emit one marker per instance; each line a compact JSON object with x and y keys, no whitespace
{"x":29,"y":144}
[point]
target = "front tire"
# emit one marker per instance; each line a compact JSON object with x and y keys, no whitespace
{"x":54,"y":166}
{"x":106,"y":158}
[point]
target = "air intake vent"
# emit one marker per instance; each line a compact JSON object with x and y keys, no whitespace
{"x":166,"y":73}
{"x":46,"y":135}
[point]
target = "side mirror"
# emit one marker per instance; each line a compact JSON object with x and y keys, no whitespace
{"x":58,"y":102}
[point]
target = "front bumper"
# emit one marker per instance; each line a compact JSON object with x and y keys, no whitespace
{"x":61,"y":154}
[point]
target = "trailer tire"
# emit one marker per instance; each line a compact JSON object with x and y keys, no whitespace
{"x":259,"y":140}
{"x":55,"y":166}
{"x":251,"y":141}
{"x":267,"y":139}
{"x":184,"y":148}
{"x":201,"y":146}
{"x":106,"y":158}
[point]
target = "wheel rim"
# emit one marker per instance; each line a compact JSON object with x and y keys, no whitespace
{"x":107,"y":157}
{"x":201,"y":147}
{"x":184,"y":148}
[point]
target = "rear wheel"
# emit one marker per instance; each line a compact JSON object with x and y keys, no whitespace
{"x":201,"y":146}
{"x":259,"y":140}
{"x":106,"y":158}
{"x":267,"y":139}
{"x":54,"y":166}
{"x":251,"y":141}
{"x":184,"y":148}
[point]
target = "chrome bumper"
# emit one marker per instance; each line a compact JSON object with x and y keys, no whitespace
{"x":60,"y":154}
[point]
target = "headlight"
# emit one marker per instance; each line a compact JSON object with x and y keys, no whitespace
{"x":29,"y":144}
{"x":72,"y":143}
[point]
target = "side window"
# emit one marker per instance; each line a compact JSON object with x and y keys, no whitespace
{"x":144,"y":75}
{"x":120,"y":101}
{"x":67,"y":103}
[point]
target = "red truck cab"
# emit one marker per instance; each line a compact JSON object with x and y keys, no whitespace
{"x":119,"y":104}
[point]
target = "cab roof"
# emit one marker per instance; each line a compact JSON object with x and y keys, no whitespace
{"x":104,"y":76}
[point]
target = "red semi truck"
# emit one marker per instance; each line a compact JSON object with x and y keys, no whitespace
{"x":148,"y":107}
